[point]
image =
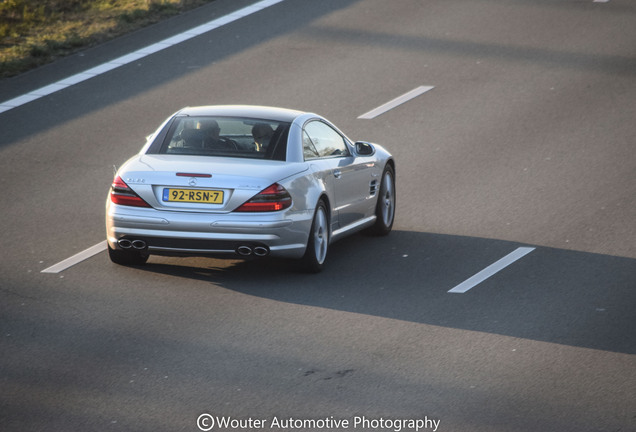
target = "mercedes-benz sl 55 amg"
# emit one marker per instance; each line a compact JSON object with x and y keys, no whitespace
{"x":241,"y":181}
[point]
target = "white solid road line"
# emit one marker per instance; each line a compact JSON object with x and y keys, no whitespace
{"x":396,"y":102}
{"x":129,"y":58}
{"x":491,"y":270}
{"x":77,"y":258}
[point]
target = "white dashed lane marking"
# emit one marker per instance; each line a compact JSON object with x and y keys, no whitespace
{"x":395,"y":102}
{"x":77,"y":258}
{"x":491,"y":270}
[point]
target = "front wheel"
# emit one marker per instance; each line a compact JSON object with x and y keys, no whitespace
{"x":318,"y":243}
{"x":385,"y":207}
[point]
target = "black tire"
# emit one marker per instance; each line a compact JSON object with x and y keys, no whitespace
{"x":385,"y":207}
{"x":127,"y":257}
{"x":318,"y":244}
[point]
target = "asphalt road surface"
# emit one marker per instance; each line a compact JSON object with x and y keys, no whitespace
{"x":523,"y":144}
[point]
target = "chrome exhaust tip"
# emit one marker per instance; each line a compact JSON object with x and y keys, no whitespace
{"x":139,"y":244}
{"x":244,"y":250}
{"x":124,"y":243}
{"x":261,"y":251}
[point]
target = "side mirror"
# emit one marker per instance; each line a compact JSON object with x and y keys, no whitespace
{"x":364,"y":148}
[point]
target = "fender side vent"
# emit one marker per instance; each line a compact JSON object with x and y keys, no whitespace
{"x":374,"y":188}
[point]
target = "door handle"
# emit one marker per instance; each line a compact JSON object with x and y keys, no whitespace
{"x":337,"y":173}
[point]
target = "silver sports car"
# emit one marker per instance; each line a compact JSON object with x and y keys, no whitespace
{"x":240,"y":181}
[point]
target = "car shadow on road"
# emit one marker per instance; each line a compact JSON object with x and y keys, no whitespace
{"x":552,"y":295}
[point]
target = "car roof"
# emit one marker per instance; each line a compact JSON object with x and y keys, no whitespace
{"x":250,"y":111}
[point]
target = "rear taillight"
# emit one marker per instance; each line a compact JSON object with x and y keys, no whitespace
{"x":122,"y":194}
{"x":273,"y":198}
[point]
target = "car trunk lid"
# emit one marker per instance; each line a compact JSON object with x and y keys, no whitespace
{"x":206,"y":184}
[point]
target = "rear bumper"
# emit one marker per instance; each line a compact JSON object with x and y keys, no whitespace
{"x":279,"y":234}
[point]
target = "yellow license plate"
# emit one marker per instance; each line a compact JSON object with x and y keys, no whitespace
{"x":193,"y":196}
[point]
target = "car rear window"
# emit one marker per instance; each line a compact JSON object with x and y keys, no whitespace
{"x":227,"y":137}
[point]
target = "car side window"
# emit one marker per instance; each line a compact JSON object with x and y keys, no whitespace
{"x":320,"y":140}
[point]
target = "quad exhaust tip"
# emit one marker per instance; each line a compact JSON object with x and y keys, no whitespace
{"x":134,"y":244}
{"x":260,"y":251}
{"x":245,"y":250}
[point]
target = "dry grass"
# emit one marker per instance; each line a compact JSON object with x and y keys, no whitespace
{"x":35,"y":32}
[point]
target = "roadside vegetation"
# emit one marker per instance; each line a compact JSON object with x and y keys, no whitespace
{"x":36,"y":32}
